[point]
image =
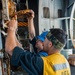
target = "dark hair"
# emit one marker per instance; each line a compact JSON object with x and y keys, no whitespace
{"x":59,"y":34}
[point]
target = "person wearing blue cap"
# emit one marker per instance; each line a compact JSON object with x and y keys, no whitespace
{"x":36,"y":41}
{"x":39,"y":43}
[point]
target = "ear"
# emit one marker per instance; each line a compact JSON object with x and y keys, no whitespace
{"x":50,"y":44}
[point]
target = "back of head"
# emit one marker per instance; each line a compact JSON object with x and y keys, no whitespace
{"x":58,"y":37}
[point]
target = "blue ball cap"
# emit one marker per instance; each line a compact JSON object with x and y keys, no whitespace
{"x":42,"y":36}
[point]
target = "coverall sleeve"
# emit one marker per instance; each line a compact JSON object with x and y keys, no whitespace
{"x":30,"y":62}
{"x":33,"y":42}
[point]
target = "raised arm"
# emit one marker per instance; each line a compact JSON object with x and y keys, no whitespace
{"x":11,"y":37}
{"x":31,"y":28}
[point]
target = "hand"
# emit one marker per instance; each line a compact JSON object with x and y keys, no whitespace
{"x":12,"y":25}
{"x":30,"y":14}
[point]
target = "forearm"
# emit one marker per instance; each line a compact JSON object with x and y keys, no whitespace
{"x":31,"y":28}
{"x":18,"y":43}
{"x":10,"y":41}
